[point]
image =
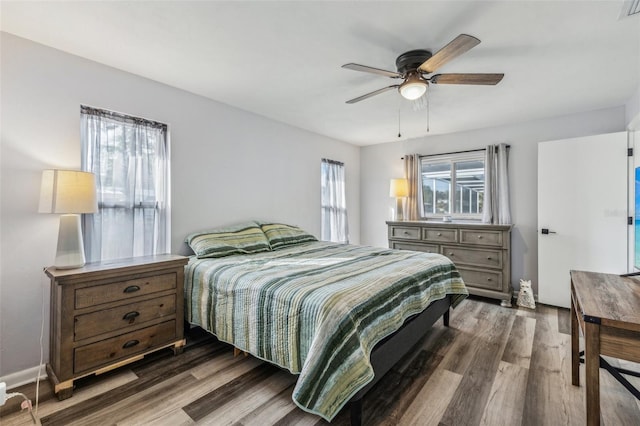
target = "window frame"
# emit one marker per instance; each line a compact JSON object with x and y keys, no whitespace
{"x":452,"y":159}
{"x":160,"y":203}
{"x":329,"y":195}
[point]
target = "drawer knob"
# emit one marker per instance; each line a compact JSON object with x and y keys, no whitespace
{"x":130,"y":344}
{"x":131,"y":289}
{"x":439,"y":234}
{"x":488,"y":279}
{"x":450,"y":254}
{"x":479,"y":237}
{"x":406,"y":233}
{"x":488,"y":257}
{"x":130,"y":316}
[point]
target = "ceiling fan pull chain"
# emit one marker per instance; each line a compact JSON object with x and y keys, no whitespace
{"x":399,"y":134}
{"x":428,"y":96}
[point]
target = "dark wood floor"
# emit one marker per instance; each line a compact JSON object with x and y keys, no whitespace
{"x":493,"y":366}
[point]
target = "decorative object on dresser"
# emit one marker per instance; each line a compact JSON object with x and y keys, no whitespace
{"x":482,"y":252}
{"x":399,"y":189}
{"x":108,"y":314}
{"x":69,"y":192}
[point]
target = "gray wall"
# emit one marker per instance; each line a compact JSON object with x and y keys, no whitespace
{"x":632,"y":113}
{"x":379,"y":163}
{"x":227,"y":166}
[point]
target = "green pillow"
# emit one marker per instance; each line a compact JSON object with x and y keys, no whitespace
{"x":244,"y":238}
{"x":280,"y":235}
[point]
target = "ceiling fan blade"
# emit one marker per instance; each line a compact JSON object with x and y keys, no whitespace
{"x":482,"y":79}
{"x":455,"y":48}
{"x":368,"y":95}
{"x":364,"y":68}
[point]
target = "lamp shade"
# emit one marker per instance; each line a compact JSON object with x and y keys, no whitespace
{"x":68,"y":191}
{"x":413,"y":87}
{"x":413,"y":91}
{"x":399,"y":188}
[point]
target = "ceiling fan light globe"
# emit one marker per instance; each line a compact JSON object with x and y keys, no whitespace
{"x":413,"y":90}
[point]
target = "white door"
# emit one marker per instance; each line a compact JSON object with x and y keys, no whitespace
{"x":582,"y":202}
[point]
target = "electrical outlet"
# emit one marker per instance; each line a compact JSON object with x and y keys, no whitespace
{"x":3,"y":393}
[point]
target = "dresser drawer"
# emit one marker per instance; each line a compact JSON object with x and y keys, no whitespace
{"x":443,"y":235}
{"x":484,"y":238}
{"x":107,"y":351}
{"x":481,"y":279}
{"x":405,"y":232}
{"x":476,"y":257}
{"x":123,"y":290}
{"x":427,"y":248}
{"x":123,"y":317}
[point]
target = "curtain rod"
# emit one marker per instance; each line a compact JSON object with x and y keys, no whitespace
{"x":333,"y":162}
{"x":454,"y":152}
{"x":98,"y":112}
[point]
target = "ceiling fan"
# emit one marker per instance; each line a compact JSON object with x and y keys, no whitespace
{"x":414,"y":67}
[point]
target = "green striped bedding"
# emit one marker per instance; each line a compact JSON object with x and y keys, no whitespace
{"x":316,"y":309}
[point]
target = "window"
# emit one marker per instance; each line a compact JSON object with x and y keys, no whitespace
{"x":334,"y":225}
{"x":129,"y":157}
{"x":452,"y":185}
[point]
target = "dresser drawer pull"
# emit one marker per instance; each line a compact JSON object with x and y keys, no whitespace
{"x":130,"y":344}
{"x":406,"y":233}
{"x":488,"y":257}
{"x":130,"y":316}
{"x":439,"y":234}
{"x":131,"y":289}
{"x":488,"y":279}
{"x":479,"y":237}
{"x":451,"y":254}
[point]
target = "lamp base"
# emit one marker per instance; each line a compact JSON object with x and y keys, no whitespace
{"x":70,"y":253}
{"x":400,"y":211}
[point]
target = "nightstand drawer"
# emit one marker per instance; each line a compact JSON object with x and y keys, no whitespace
{"x":484,"y":238}
{"x":122,"y":290}
{"x":107,"y":351}
{"x":427,"y":248}
{"x":469,"y":256}
{"x":123,"y":317}
{"x":481,"y":279}
{"x":443,"y":235}
{"x":406,"y":232}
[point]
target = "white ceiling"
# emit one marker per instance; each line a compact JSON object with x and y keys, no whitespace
{"x":283,"y":59}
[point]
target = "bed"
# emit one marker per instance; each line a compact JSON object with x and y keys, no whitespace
{"x":337,"y":315}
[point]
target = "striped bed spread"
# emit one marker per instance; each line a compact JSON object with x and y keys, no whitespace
{"x":316,"y":309}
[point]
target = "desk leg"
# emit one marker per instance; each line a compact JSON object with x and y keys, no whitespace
{"x":575,"y":347}
{"x":592,"y":362}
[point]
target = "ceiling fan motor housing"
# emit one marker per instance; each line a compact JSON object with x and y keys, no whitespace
{"x":411,"y":60}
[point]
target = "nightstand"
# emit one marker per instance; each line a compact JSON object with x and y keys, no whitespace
{"x":108,"y":314}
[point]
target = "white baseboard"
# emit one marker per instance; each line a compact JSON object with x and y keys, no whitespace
{"x":24,"y":377}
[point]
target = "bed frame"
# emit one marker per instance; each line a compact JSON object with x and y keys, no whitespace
{"x":390,"y":350}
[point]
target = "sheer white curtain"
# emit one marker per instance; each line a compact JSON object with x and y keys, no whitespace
{"x":496,"y":185}
{"x":334,"y":226}
{"x":412,"y":173}
{"x":129,"y":158}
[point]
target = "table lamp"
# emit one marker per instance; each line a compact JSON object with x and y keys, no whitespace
{"x":69,"y":192}
{"x":399,"y":189}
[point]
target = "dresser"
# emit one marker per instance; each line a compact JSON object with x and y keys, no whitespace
{"x":481,"y":252}
{"x":108,"y":314}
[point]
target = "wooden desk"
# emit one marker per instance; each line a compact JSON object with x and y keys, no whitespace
{"x":606,"y":308}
